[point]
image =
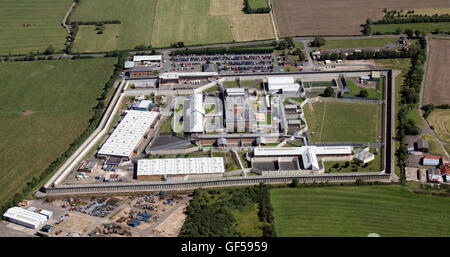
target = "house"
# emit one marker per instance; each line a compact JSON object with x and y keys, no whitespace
{"x":445,"y":172}
{"x":431,"y":160}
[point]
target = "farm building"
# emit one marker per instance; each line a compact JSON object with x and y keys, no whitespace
{"x":422,"y":145}
{"x":193,"y":114}
{"x":431,"y":160}
{"x":24,"y":217}
{"x":129,"y":134}
{"x":147,"y":59}
{"x":445,"y":172}
{"x":284,"y":85}
{"x":179,"y":167}
{"x":434,"y":175}
{"x":181,"y":77}
{"x":128,"y":65}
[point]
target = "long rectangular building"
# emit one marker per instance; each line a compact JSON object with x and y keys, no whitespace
{"x":158,"y":168}
{"x":24,"y":217}
{"x":128,"y":133}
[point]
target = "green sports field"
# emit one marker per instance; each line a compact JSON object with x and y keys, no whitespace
{"x":426,"y":27}
{"x":390,"y":210}
{"x":42,"y":20}
{"x":46,"y":105}
{"x":343,"y":122}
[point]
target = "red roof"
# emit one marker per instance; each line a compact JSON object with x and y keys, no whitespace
{"x":445,"y":170}
{"x":436,"y":157}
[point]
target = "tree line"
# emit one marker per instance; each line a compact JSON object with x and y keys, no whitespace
{"x":414,"y":19}
{"x":224,"y":50}
{"x":93,"y":123}
{"x":209,"y":212}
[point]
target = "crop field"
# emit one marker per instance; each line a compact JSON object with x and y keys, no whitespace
{"x":137,"y":19}
{"x":440,"y":120}
{"x":358,"y":43}
{"x":30,"y":25}
{"x":343,"y":122}
{"x":389,"y":210}
{"x":330,"y":17}
{"x":88,"y":40}
{"x":438,"y":74}
{"x":425,"y":27}
{"x":46,"y":105}
{"x":244,"y":27}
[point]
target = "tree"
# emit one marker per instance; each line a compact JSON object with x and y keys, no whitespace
{"x":294,"y":183}
{"x":363,"y":93}
{"x":398,"y":30}
{"x":301,"y":56}
{"x":49,"y":50}
{"x":328,"y":91}
{"x":318,"y":42}
{"x":409,"y":33}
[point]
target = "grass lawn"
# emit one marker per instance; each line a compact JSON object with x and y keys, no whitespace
{"x":44,"y":17}
{"x":374,"y":165}
{"x":354,"y":89}
{"x":166,"y":126}
{"x":230,"y":84}
{"x":358,"y":43}
{"x":137,"y":19}
{"x":390,"y":210}
{"x":247,"y":221}
{"x":46,"y":105}
{"x":435,"y":147}
{"x":88,"y":40}
{"x":255,"y":4}
{"x":309,"y":84}
{"x":426,"y":27}
{"x":440,"y":120}
{"x":343,"y":122}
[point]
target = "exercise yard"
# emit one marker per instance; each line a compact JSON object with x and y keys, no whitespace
{"x":46,"y":105}
{"x":343,"y":122}
{"x":389,"y":210}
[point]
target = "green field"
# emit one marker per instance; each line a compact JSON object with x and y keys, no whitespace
{"x":150,"y":22}
{"x":46,"y":105}
{"x":426,"y":27}
{"x":255,"y":4}
{"x":88,"y":40}
{"x":343,"y":122}
{"x":137,"y":19}
{"x":435,"y":147}
{"x":188,"y":21}
{"x":391,"y":210}
{"x":44,"y":17}
{"x":358,"y":43}
{"x":354,"y":89}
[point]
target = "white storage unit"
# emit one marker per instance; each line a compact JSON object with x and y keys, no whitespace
{"x":47,"y":213}
{"x":24,"y":217}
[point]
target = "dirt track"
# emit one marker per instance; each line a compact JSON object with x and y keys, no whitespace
{"x":336,"y":17}
{"x":437,"y":85}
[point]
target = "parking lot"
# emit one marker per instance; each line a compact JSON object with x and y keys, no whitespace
{"x":227,"y":63}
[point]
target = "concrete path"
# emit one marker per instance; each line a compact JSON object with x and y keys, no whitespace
{"x":273,"y":21}
{"x":66,"y":16}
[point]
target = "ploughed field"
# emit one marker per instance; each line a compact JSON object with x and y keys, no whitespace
{"x":331,"y":17}
{"x":46,"y":105}
{"x":437,"y":87}
{"x":389,"y":210}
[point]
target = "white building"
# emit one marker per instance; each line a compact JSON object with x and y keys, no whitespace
{"x":364,"y":156}
{"x":24,"y":217}
{"x":286,"y":85}
{"x":193,"y":114}
{"x":431,"y":160}
{"x":128,"y":133}
{"x":147,"y":58}
{"x":147,"y":168}
{"x":47,"y":213}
